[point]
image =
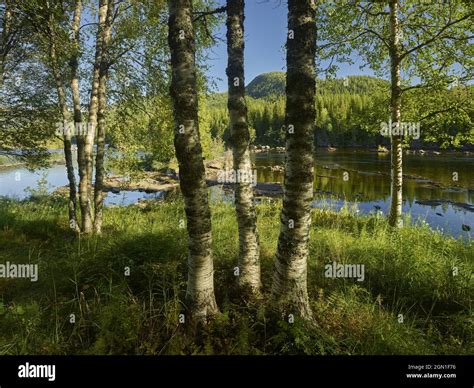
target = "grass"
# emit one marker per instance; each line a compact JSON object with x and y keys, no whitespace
{"x":408,"y":272}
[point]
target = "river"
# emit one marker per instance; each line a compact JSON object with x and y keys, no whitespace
{"x":437,"y":189}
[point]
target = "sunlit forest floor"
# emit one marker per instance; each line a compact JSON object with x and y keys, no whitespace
{"x":408,"y":272}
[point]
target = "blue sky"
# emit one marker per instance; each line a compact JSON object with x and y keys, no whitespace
{"x":265,"y":36}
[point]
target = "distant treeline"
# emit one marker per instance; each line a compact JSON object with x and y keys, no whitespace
{"x":348,"y":114}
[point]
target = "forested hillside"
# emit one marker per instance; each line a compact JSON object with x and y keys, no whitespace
{"x":272,"y":85}
{"x":348,"y":113}
{"x":267,"y":85}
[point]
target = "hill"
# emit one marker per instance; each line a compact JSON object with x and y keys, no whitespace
{"x":266,"y":85}
{"x":272,"y":84}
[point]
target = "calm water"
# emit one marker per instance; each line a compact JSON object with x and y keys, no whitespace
{"x":354,"y":178}
{"x":18,"y":183}
{"x":429,"y":191}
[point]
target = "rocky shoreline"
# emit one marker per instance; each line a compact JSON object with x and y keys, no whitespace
{"x":167,"y":180}
{"x":380,"y":149}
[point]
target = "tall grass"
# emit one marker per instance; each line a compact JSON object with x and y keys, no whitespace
{"x":407,"y":272}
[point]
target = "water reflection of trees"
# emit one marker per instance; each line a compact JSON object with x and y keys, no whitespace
{"x":369,"y":179}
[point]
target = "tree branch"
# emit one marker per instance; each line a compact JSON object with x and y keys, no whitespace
{"x":203,"y":14}
{"x":434,"y":113}
{"x":436,"y":36}
{"x":381,"y":13}
{"x":378,"y":36}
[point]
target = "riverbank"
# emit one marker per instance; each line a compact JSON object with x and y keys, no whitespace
{"x":468,"y":151}
{"x":415,"y":298}
{"x":167,"y":179}
{"x":56,"y":155}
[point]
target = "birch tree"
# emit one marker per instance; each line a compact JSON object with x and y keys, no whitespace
{"x":66,"y":117}
{"x":50,"y":36}
{"x":84,"y":203}
{"x":200,"y":286}
{"x":86,"y":140}
{"x":396,"y":192}
{"x":104,"y":65}
{"x":289,"y":289}
{"x":249,"y":260}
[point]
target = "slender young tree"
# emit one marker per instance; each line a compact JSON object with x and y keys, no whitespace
{"x":77,"y":115}
{"x":76,"y":99}
{"x":102,"y":105}
{"x":66,"y":117}
{"x":47,"y":21}
{"x":200,"y":286}
{"x":87,"y":140}
{"x":249,"y":255}
{"x":289,"y":289}
{"x":395,"y":217}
